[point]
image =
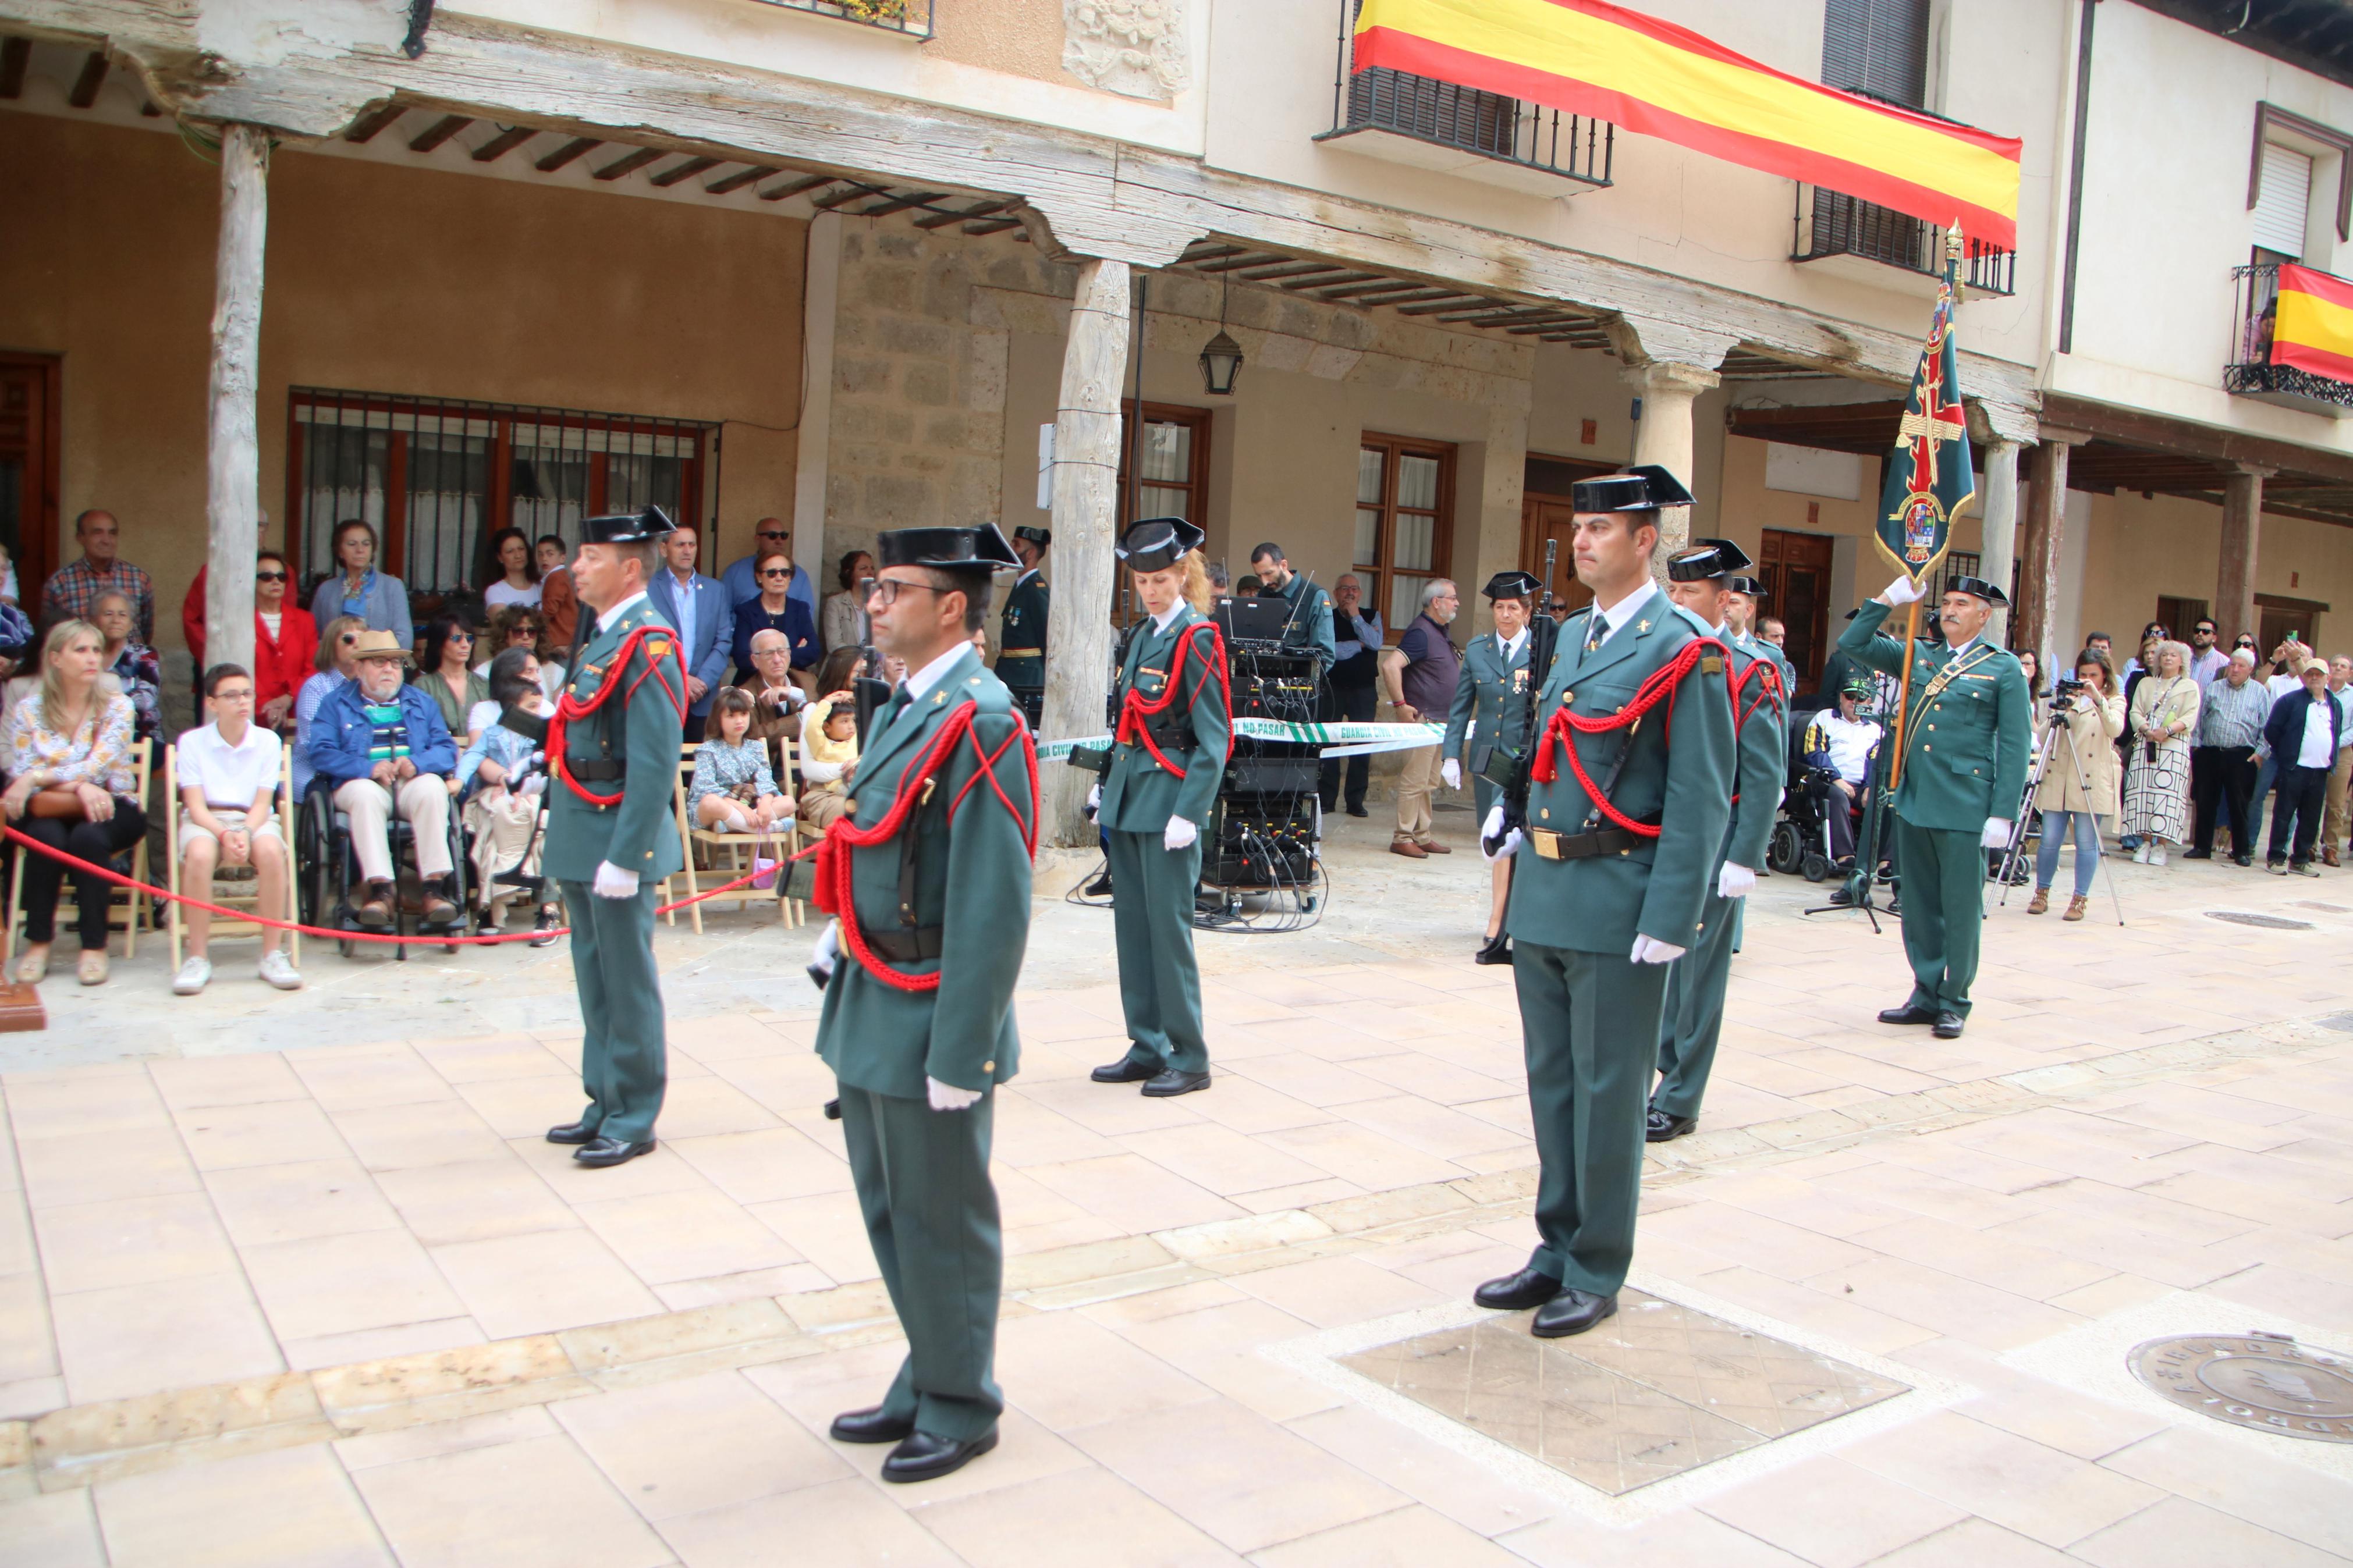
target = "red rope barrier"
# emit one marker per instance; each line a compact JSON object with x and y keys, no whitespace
{"x":330,"y":933}
{"x":1659,"y":686}
{"x":1136,"y":708}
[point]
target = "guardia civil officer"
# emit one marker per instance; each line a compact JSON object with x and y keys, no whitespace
{"x":1175,"y":727}
{"x":918,"y":1020}
{"x":1599,"y":907}
{"x":611,"y":836}
{"x":1692,"y":1020}
{"x":1021,"y":632}
{"x":1309,"y":625}
{"x":1491,"y":707}
{"x":1740,"y":618}
{"x":1968,"y":740}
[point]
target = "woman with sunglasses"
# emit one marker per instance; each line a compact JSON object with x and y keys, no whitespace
{"x":775,"y":610}
{"x":446,"y":675}
{"x":285,"y":643}
{"x":336,"y":665}
{"x":520,"y":626}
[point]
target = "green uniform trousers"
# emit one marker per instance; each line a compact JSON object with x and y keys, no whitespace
{"x":1691,"y":1020}
{"x":1023,"y":674}
{"x":931,"y":1214}
{"x":1589,"y":1022}
{"x":1944,"y":909}
{"x":625,"y":1055}
{"x":1153,"y":889}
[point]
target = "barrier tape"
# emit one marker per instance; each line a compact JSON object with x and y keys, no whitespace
{"x":329,"y":933}
{"x":1340,"y":740}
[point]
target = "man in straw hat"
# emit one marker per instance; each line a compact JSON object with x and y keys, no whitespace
{"x":382,"y":746}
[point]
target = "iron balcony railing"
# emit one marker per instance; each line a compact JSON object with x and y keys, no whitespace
{"x":912,"y":17}
{"x":1445,"y":114}
{"x":1830,"y":224}
{"x":2255,"y":291}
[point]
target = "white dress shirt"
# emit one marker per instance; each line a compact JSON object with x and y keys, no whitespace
{"x":609,"y":616}
{"x":1619,"y":614}
{"x":920,"y":683}
{"x":2319,"y":748}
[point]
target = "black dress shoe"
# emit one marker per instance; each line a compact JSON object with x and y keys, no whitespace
{"x":1663,"y":1126}
{"x":1516,"y":1292}
{"x":1175,"y":1081}
{"x":869,"y":1427}
{"x":1910,"y":1012}
{"x":1571,"y":1312}
{"x":924,"y":1457}
{"x":1100,"y":888}
{"x":1359,"y":811}
{"x":1127,"y":1070}
{"x":601,"y":1150}
{"x":572,"y":1133}
{"x":1948,"y":1026}
{"x":1497,"y":950}
{"x":2199,"y":855}
{"x":2243,"y":859}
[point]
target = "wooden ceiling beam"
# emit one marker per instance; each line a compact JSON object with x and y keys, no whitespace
{"x":853,"y":192}
{"x":1379,"y":285}
{"x":504,"y":143}
{"x":1316,"y":283}
{"x":996,"y":226}
{"x":1237,"y":259}
{"x":93,"y":76}
{"x":728,"y":183}
{"x":978,"y":210}
{"x":1453,"y":300}
{"x":365,"y":127}
{"x":571,"y":150}
{"x":15,"y":55}
{"x":794,"y":187}
{"x":629,"y":164}
{"x":898,"y":204}
{"x":678,"y":174}
{"x":1286,"y":270}
{"x":440,"y":131}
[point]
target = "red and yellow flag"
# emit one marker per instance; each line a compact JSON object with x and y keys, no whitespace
{"x":2313,"y":329}
{"x":1590,"y":57}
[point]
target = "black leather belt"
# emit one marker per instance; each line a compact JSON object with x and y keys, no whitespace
{"x":596,"y":772}
{"x":1551,"y":846}
{"x":906,"y":945}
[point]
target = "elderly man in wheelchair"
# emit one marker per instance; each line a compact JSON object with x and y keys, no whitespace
{"x":1841,"y":751}
{"x":380,"y":746}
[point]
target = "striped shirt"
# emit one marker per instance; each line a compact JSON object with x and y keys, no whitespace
{"x":389,"y":737}
{"x":2233,"y":715}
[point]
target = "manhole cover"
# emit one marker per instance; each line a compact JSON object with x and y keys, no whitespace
{"x":2269,"y":922}
{"x":2266,"y":1382}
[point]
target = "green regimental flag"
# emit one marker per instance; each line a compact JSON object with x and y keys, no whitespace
{"x":1930,"y":479}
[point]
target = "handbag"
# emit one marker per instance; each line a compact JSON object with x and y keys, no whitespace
{"x":55,"y":801}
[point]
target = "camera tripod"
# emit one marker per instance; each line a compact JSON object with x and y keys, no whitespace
{"x":2013,"y":853}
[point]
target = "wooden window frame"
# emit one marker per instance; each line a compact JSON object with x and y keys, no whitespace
{"x":1377,"y":575}
{"x":1196,"y":481}
{"x":2274,"y":123}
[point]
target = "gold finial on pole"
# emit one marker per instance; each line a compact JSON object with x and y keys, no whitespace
{"x":1953,"y":243}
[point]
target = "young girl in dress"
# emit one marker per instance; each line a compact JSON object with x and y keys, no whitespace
{"x":733,"y":790}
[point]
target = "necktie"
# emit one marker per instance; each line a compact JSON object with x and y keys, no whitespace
{"x":1597,"y":631}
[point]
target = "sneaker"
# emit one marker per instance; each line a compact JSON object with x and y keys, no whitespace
{"x":2140,"y":854}
{"x":194,"y":977}
{"x":544,"y":928}
{"x":2156,"y":856}
{"x":278,"y":971}
{"x":2276,"y":867}
{"x":2304,"y":868}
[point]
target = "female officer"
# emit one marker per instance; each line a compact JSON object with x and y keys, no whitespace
{"x":1491,"y":709}
{"x":1176,"y":726}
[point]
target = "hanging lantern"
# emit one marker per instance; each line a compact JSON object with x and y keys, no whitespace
{"x":1221,"y":362}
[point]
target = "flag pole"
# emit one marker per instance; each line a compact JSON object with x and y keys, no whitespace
{"x":1912,"y":616}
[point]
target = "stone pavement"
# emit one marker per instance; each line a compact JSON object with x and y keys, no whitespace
{"x":294,"y":1281}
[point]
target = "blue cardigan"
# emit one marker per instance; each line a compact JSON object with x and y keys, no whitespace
{"x":385,"y":606}
{"x":340,"y":734}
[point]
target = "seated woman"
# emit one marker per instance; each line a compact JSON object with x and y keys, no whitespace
{"x":131,"y":662}
{"x":70,"y":777}
{"x":337,"y":642}
{"x":442,"y":674}
{"x":505,"y":812}
{"x":733,"y":792}
{"x":522,"y":626}
{"x":774,"y":610}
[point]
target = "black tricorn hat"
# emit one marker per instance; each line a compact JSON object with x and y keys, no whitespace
{"x":980,"y":548}
{"x":1040,"y":537}
{"x":1644,"y":488}
{"x":626,"y":528}
{"x":1707,"y":558}
{"x":1512,"y":585}
{"x":1748,"y":585}
{"x":1980,"y":587}
{"x":1156,"y":543}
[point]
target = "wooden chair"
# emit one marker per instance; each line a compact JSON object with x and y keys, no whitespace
{"x":732,"y":853}
{"x":130,"y":913}
{"x":237,"y":892}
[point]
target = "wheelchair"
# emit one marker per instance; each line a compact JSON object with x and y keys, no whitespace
{"x":330,"y":870}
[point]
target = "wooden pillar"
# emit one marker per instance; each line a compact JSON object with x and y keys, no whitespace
{"x":1663,"y":435}
{"x":2046,"y":524}
{"x":1998,"y":553}
{"x":2242,"y":520}
{"x":233,"y":446}
{"x":1085,"y":492}
{"x":822,"y":293}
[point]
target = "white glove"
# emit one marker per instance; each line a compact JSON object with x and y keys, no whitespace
{"x":1997,"y":833}
{"x":1651,"y":950}
{"x":1179,"y":833}
{"x":1451,"y":771}
{"x":612,"y":882}
{"x":1901,"y":592}
{"x":1488,"y":829}
{"x":948,"y":1097}
{"x":534,"y":786}
{"x":1734,"y":882}
{"x":829,"y":951}
{"x":1094,"y":795}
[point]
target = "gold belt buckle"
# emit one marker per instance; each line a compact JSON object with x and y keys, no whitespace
{"x":1548,"y":843}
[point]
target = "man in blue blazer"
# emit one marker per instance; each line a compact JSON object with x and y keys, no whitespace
{"x":705,"y":618}
{"x":381,"y":747}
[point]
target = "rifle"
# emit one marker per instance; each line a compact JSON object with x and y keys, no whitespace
{"x":1507,"y":769}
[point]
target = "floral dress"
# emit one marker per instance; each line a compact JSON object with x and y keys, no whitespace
{"x":99,"y":753}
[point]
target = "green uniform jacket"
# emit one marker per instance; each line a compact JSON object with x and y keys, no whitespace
{"x":1139,"y":795}
{"x":1024,"y":625}
{"x":971,"y":881}
{"x":1655,"y":888}
{"x":1310,"y":624}
{"x":638,"y":726}
{"x":1764,"y":759}
{"x":1968,"y":746}
{"x":1493,"y":692}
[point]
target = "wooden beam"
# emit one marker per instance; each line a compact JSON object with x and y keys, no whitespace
{"x":1241,"y":259}
{"x":898,"y":204}
{"x":727,"y":183}
{"x":2154,"y":432}
{"x":1316,"y":283}
{"x":566,"y":154}
{"x":233,"y":442}
{"x":15,"y":54}
{"x":92,"y":78}
{"x":1290,"y":269}
{"x":440,"y":131}
{"x":1549,"y":324}
{"x":852,"y":191}
{"x":629,"y":164}
{"x":791,"y":188}
{"x":1205,"y":250}
{"x":1450,"y":300}
{"x":994,"y":226}
{"x":1381,"y":284}
{"x":678,"y":172}
{"x":504,"y":143}
{"x":364,"y":128}
{"x":979,"y":209}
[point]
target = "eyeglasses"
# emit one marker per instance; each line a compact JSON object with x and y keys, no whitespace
{"x":269,"y":577}
{"x":885,"y":591}
{"x":455,"y":636}
{"x":349,"y":639}
{"x":775,"y":571}
{"x":236,"y":694}
{"x":772,"y":533}
{"x":521,"y":632}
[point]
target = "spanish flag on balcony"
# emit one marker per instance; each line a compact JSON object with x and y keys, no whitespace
{"x":2313,"y":328}
{"x":1590,"y":57}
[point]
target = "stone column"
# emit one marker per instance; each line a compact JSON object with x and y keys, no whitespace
{"x":1085,"y":491}
{"x":2243,"y":519}
{"x":1999,"y":503}
{"x":1670,"y":364}
{"x":233,"y":497}
{"x":2046,"y":523}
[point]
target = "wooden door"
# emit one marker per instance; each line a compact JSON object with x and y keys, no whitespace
{"x":1795,"y":569}
{"x":1549,"y":518}
{"x":29,"y":460}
